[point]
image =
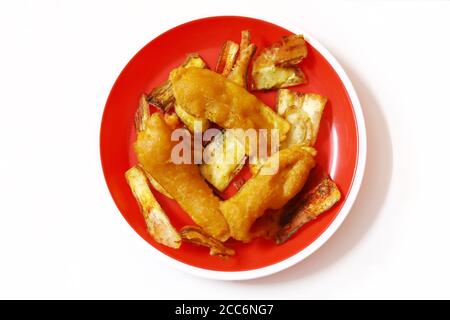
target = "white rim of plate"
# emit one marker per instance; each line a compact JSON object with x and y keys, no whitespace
{"x":332,"y":228}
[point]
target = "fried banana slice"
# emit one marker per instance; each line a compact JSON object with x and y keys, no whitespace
{"x":276,"y":66}
{"x":195,"y":235}
{"x":183,"y":182}
{"x":264,"y":192}
{"x":304,"y":112}
{"x":239,"y":73}
{"x":158,"y":224}
{"x":225,"y":158}
{"x":190,"y":120}
{"x":227,"y":57}
{"x":206,"y":94}
{"x":310,"y":205}
{"x":162,"y":96}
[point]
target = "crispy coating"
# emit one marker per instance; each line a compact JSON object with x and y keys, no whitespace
{"x":264,"y":192}
{"x":183,"y":182}
{"x":194,"y":234}
{"x":206,"y":94}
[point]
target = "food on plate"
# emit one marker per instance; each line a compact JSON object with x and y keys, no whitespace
{"x":206,"y":94}
{"x":264,"y":192}
{"x":162,"y":96}
{"x":225,"y":158}
{"x":189,"y":120}
{"x":276,"y":66}
{"x":183,"y":182}
{"x":227,"y":57}
{"x":304,"y":112}
{"x":158,"y":224}
{"x":273,"y":202}
{"x":308,"y":207}
{"x":195,"y":235}
{"x":240,"y":69}
{"x":142,"y":114}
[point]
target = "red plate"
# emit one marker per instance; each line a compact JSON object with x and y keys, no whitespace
{"x":341,"y":142}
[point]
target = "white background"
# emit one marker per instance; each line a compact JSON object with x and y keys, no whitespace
{"x":61,"y":235}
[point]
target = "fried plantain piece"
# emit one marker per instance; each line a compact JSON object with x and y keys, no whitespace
{"x":226,"y":157}
{"x":276,"y":66}
{"x":239,"y":73}
{"x":308,"y":207}
{"x":162,"y":96}
{"x":183,"y":182}
{"x":196,"y":235}
{"x":158,"y":224}
{"x":206,"y":94}
{"x":190,"y":120}
{"x":304,"y":112}
{"x":227,"y":57}
{"x":142,"y":114}
{"x":267,"y":191}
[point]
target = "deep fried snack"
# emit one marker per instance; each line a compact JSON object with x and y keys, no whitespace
{"x":142,"y":114}
{"x":264,"y":192}
{"x":196,"y":235}
{"x":158,"y":224}
{"x":226,"y":157}
{"x":183,"y":182}
{"x":239,"y":73}
{"x":227,"y":57}
{"x":189,"y":120}
{"x":308,"y":207}
{"x":276,"y":66}
{"x":205,"y":94}
{"x":162,"y":96}
{"x":304,"y":112}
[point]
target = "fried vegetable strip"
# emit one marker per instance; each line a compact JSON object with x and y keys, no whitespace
{"x":313,"y":203}
{"x":227,"y":57}
{"x":206,"y":94}
{"x":240,"y":70}
{"x":158,"y":224}
{"x":195,"y":235}
{"x":153,"y":149}
{"x":303,"y":112}
{"x":226,"y":157}
{"x":264,"y":191}
{"x":189,"y":120}
{"x":276,"y":66}
{"x":162,"y":96}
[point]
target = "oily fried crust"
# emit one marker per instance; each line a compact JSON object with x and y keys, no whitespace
{"x":162,"y":96}
{"x":196,"y":235}
{"x":227,"y":57}
{"x":308,"y":207}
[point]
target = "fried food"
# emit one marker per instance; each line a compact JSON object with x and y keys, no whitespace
{"x":303,"y":112}
{"x":183,"y":182}
{"x":276,"y":66}
{"x":195,"y":235}
{"x":226,"y":157}
{"x":158,"y":224}
{"x":205,"y":94}
{"x":240,"y":69}
{"x":162,"y":96}
{"x":189,"y":120}
{"x":264,"y":192}
{"x":142,"y":114}
{"x":227,"y":57}
{"x":308,"y":207}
